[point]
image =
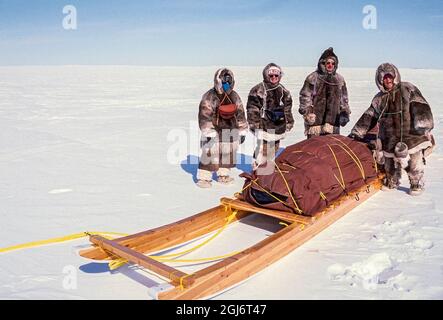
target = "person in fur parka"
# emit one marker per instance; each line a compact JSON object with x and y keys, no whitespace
{"x":324,"y":98}
{"x":405,"y":122}
{"x":269,"y":111}
{"x":223,"y":126}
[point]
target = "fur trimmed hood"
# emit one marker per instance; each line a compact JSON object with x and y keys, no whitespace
{"x":384,"y":69}
{"x":403,"y":115}
{"x":266,"y":70}
{"x":218,"y":80}
{"x":328,"y":53}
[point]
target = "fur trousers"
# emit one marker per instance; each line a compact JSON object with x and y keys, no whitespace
{"x":217,"y":157}
{"x":415,"y":170}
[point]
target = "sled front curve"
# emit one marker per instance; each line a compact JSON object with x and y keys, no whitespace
{"x":169,"y":235}
{"x":229,"y":271}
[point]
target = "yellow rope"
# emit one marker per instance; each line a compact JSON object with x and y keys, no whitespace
{"x":172,"y":273}
{"x":289,"y":189}
{"x":115,"y":264}
{"x":356,"y":161}
{"x":342,"y":183}
{"x":287,"y":164}
{"x":182,"y":287}
{"x":249,"y":185}
{"x":197,"y":260}
{"x":322,"y":195}
{"x":339,"y":182}
{"x":120,"y":262}
{"x":270,"y":194}
{"x":165,"y":257}
{"x":355,"y":158}
{"x":375,"y":164}
{"x":57,"y":240}
{"x":301,"y":227}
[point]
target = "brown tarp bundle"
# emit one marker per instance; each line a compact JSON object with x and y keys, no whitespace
{"x":314,"y":173}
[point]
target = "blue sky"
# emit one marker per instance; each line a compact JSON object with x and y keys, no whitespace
{"x":222,"y":32}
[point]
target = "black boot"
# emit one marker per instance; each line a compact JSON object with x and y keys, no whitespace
{"x":416,"y":190}
{"x":390,"y":184}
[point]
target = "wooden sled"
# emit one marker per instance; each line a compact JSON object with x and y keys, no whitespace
{"x":229,"y":271}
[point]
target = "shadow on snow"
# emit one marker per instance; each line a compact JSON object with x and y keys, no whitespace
{"x":244,"y":164}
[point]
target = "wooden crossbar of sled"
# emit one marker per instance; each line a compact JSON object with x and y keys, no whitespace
{"x":229,"y":271}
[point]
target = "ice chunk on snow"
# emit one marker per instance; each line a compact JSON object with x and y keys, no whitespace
{"x":423,"y":244}
{"x":369,"y":270}
{"x":336,"y":271}
{"x":375,"y":270}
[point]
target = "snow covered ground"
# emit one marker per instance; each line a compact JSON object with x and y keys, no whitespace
{"x":89,"y":148}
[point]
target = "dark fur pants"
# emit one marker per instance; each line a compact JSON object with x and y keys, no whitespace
{"x":218,"y":155}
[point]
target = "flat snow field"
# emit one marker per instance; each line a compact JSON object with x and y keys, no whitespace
{"x":86,"y":148}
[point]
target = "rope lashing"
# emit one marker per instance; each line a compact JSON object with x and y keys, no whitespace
{"x":70,"y":237}
{"x":289,"y":189}
{"x":342,"y":182}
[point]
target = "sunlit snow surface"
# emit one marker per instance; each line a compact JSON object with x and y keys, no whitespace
{"x":86,"y":148}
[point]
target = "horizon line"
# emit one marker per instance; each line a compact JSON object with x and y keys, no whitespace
{"x":194,"y":66}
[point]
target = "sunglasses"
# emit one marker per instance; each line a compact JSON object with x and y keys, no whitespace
{"x":227,"y":78}
{"x":330,"y":63}
{"x":274,"y":76}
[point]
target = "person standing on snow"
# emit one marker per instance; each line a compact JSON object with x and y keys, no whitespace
{"x":324,"y":98}
{"x":405,"y":123}
{"x":223,"y":126}
{"x":269,"y":110}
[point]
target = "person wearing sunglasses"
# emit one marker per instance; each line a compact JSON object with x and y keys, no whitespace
{"x":223,"y":126}
{"x":324,"y":101}
{"x":405,"y":122}
{"x":269,"y":111}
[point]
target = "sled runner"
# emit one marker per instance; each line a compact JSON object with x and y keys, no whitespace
{"x":229,"y":271}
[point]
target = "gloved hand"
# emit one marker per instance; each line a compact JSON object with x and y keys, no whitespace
{"x":352,"y":136}
{"x":344,"y":119}
{"x":310,"y":118}
{"x":372,"y":144}
{"x":242,"y":139}
{"x":355,"y":137}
